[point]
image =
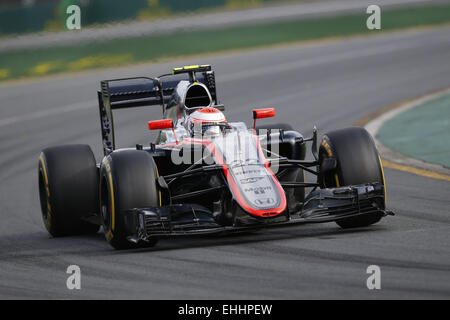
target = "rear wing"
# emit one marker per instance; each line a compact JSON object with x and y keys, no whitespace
{"x":144,"y":91}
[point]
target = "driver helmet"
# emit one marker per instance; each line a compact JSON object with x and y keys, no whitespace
{"x":207,"y":121}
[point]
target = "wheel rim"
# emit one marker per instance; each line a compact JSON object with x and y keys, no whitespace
{"x":43,"y":198}
{"x":104,"y":207}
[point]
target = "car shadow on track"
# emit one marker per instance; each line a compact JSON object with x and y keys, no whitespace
{"x":41,"y":244}
{"x":264,"y":235}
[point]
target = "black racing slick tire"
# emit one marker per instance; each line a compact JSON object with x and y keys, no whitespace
{"x":68,"y":189}
{"x":357,"y":162}
{"x":128,"y":179}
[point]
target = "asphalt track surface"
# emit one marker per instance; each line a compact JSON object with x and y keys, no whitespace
{"x":328,"y":84}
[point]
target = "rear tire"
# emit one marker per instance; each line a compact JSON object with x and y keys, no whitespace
{"x":358,"y":162}
{"x":68,"y":189}
{"x":128,"y":180}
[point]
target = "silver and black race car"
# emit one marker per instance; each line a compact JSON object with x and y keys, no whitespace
{"x":203,"y":174}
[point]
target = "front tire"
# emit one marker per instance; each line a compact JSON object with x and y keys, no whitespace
{"x":68,"y":189}
{"x":128,"y":180}
{"x":358,"y":162}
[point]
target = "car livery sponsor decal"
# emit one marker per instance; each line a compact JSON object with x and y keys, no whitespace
{"x":256,"y":185}
{"x":250,"y":180}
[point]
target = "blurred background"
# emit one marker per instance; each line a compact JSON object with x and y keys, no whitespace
{"x":35,"y":41}
{"x":22,"y":16}
{"x":316,"y":62}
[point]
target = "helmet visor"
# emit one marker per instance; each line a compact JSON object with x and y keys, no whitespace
{"x":211,"y":130}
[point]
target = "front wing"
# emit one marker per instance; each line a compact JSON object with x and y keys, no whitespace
{"x":321,"y":205}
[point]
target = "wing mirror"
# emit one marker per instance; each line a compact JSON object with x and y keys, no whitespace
{"x":161,"y":125}
{"x":262,"y":113}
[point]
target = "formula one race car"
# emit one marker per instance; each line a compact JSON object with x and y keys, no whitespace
{"x":203,"y":174}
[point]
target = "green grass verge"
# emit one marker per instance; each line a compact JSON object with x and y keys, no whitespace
{"x":20,"y":64}
{"x":422,"y":132}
